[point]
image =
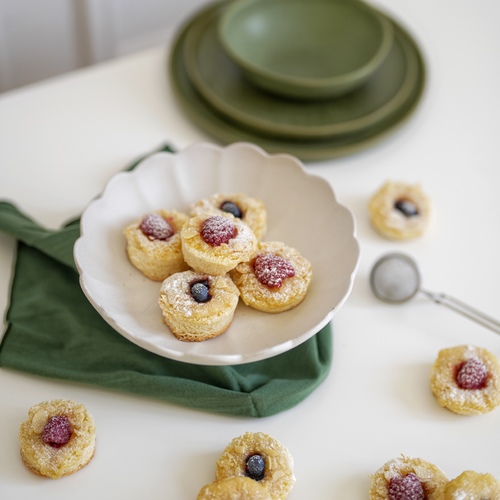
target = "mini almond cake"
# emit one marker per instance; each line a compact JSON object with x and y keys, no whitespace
{"x":406,"y":478}
{"x":399,"y":211}
{"x":261,"y":458}
{"x":470,"y":485}
{"x":234,"y":488}
{"x":276,"y":279}
{"x":154,"y":244}
{"x":466,"y":380}
{"x":197,"y":306}
{"x":215,"y":244}
{"x":57,"y":439}
{"x":250,"y":210}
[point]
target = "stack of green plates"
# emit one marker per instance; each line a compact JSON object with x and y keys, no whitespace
{"x":216,"y":96}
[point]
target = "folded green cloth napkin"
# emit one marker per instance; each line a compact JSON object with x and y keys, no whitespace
{"x":54,"y":331}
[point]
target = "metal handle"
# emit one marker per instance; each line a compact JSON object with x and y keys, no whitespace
{"x":464,"y":309}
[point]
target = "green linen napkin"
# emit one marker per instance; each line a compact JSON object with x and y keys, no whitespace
{"x":54,"y":331}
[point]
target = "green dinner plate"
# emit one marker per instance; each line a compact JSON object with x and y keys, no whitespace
{"x":221,"y":83}
{"x":226,"y":131}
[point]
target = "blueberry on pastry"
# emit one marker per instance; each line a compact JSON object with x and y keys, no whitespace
{"x":399,"y":211}
{"x":261,"y":458}
{"x":197,"y":306}
{"x":250,"y":210}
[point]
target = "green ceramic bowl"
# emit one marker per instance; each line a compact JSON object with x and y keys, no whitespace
{"x":305,"y":49}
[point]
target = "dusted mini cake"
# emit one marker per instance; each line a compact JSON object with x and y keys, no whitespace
{"x":154,"y":244}
{"x":261,"y":458}
{"x":197,"y":306}
{"x":406,"y":478}
{"x":399,"y":211}
{"x":215,"y":244}
{"x":234,"y":488}
{"x":466,"y":380}
{"x":276,"y":279}
{"x":57,"y":439}
{"x":250,"y":210}
{"x":470,"y":485}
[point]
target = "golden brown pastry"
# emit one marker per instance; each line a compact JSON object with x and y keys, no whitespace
{"x":250,"y":210}
{"x":466,"y":380}
{"x":215,"y":244}
{"x":399,"y":211}
{"x":197,"y":306}
{"x":276,"y":279}
{"x":154,"y":244}
{"x":234,"y":488}
{"x":470,"y":485}
{"x":406,"y":478}
{"x":57,"y":439}
{"x":263,"y":459}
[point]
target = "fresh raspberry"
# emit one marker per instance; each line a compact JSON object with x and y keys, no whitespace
{"x":472,"y":374}
{"x":155,"y":227}
{"x":217,"y":230}
{"x":271,"y":270}
{"x":406,"y":487}
{"x":57,"y":431}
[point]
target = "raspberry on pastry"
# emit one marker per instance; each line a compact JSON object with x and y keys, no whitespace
{"x":250,"y":210}
{"x":57,"y":439}
{"x":276,"y":279}
{"x":215,"y":244}
{"x":466,"y":380}
{"x":406,"y":478}
{"x":154,"y":244}
{"x":197,"y":306}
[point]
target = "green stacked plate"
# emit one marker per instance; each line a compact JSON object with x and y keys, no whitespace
{"x":213,"y":92}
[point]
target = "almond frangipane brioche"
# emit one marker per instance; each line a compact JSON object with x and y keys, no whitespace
{"x":58,"y":438}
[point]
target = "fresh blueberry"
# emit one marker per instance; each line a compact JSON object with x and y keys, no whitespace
{"x":200,"y":291}
{"x":232,"y":208}
{"x":255,"y":467}
{"x":406,"y":207}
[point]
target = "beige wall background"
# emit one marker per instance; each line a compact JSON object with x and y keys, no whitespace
{"x":40,"y":39}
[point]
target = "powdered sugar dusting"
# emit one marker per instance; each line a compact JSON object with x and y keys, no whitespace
{"x":466,"y":380}
{"x":472,"y":374}
{"x":271,"y":270}
{"x":217,"y":230}
{"x":177,"y":294}
{"x":60,"y":443}
{"x":57,"y":431}
{"x":155,"y":227}
{"x":406,"y":487}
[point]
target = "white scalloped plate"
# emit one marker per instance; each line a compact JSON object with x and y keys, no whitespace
{"x":302,"y":212}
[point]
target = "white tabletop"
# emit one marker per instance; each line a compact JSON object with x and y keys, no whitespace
{"x":63,"y":139}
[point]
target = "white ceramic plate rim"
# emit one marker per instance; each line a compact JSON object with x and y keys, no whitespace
{"x":128,"y":301}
